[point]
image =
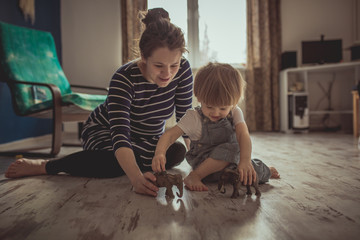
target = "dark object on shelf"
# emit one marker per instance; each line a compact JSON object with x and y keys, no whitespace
{"x":355,"y":52}
{"x":288,"y":60}
{"x":323,"y":51}
{"x":298,"y":111}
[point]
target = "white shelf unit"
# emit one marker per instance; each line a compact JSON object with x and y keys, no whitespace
{"x":300,"y":83}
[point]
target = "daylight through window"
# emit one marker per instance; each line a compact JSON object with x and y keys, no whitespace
{"x":214,"y":30}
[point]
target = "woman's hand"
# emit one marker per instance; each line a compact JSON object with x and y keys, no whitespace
{"x":143,"y":184}
{"x":158,"y":163}
{"x":247,"y":173}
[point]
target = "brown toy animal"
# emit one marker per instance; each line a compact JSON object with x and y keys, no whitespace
{"x":164,"y":179}
{"x":232,"y":176}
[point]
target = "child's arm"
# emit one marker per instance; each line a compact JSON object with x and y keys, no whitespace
{"x":187,"y":143}
{"x":168,"y":138}
{"x":246,"y":170}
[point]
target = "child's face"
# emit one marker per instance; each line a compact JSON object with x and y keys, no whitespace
{"x":215,"y":113}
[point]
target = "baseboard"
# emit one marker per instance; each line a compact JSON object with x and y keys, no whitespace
{"x":41,"y":141}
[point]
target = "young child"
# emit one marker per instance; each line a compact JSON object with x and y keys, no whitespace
{"x":217,"y":130}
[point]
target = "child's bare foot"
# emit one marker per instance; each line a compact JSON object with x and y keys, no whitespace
{"x":193,"y":182}
{"x":274,"y":173}
{"x":26,"y":167}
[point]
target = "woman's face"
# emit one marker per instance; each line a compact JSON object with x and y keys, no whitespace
{"x":161,"y":67}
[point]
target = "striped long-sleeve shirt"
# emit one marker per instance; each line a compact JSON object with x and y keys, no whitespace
{"x":135,"y":111}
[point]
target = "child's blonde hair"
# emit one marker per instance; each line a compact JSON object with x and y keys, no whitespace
{"x":218,"y":84}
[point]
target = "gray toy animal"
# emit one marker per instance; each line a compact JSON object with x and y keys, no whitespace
{"x":232,"y":176}
{"x":164,"y":179}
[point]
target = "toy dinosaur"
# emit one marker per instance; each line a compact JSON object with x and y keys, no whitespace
{"x":164,"y":179}
{"x":232,"y":176}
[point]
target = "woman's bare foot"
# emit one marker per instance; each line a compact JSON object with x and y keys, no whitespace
{"x":193,"y":182}
{"x":274,"y":173}
{"x":26,"y":167}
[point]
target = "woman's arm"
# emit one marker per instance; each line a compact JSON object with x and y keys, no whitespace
{"x":139,"y":181}
{"x":120,"y":97}
{"x":184,"y":94}
{"x":168,"y":138}
{"x":246,"y":170}
{"x":184,"y":90}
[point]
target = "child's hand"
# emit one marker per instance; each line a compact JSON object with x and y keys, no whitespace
{"x":158,"y":163}
{"x":247,"y":173}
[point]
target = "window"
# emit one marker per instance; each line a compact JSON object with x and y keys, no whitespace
{"x":214,"y":30}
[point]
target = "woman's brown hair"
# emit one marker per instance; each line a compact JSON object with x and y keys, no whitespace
{"x":159,"y":32}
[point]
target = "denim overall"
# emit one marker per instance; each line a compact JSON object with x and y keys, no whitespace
{"x":218,"y":141}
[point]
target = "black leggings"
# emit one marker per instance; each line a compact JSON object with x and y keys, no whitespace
{"x":103,"y":163}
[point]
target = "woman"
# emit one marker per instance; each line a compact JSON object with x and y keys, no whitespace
{"x":120,"y":135}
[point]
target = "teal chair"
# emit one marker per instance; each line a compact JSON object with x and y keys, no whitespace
{"x":39,"y":88}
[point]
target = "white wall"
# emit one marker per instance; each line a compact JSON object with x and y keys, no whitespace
{"x":91,"y":33}
{"x":91,"y":40}
{"x":308,"y":19}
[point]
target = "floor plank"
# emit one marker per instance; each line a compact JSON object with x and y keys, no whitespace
{"x":317,"y":197}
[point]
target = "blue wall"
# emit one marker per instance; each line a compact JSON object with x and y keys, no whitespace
{"x":47,"y":18}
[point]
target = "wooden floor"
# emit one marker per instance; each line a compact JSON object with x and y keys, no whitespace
{"x":317,"y":197}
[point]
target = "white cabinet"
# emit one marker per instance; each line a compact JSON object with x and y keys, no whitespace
{"x":328,"y":88}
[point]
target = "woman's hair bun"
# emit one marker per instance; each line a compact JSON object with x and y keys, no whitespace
{"x":154,"y":15}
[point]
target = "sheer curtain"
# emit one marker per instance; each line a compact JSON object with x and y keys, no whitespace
{"x":263,"y":65}
{"x":131,"y":27}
